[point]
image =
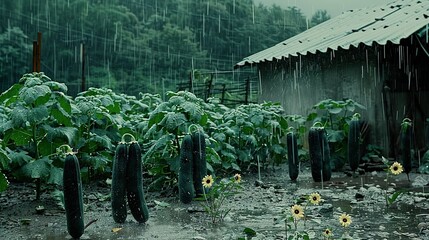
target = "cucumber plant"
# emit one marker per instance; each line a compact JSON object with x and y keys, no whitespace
{"x":39,"y":123}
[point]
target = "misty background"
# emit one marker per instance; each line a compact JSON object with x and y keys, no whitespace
{"x":333,"y":7}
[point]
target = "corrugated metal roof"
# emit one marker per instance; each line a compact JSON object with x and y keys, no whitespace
{"x":392,"y":22}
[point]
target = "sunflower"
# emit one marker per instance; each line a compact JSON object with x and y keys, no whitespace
{"x":396,"y":168}
{"x":327,"y":233}
{"x":237,"y":178}
{"x":208,"y":181}
{"x":297,"y":211}
{"x":315,"y":198}
{"x":345,"y":220}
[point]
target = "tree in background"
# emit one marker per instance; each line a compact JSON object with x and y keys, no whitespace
{"x":14,"y":55}
{"x":141,"y":46}
{"x":319,"y":16}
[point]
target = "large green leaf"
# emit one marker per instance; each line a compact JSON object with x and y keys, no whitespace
{"x":257,"y":119}
{"x":158,"y":144}
{"x":36,"y":95}
{"x":61,"y":116}
{"x":172,"y":121}
{"x":96,"y":142}
{"x":18,"y":159}
{"x":4,"y":183}
{"x":68,"y":133}
{"x":11,"y":95}
{"x":195,"y":111}
{"x":19,"y":116}
{"x":38,"y":114}
{"x":21,"y":137}
{"x":56,"y":176}
{"x":4,"y":159}
{"x":156,"y":118}
{"x":40,"y":168}
{"x":64,"y":102}
{"x":56,"y":86}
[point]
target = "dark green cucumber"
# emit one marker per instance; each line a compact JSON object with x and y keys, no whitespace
{"x":199,"y":161}
{"x":118,"y":192}
{"x":326,"y":157}
{"x":292,"y":155}
{"x":353,"y":144}
{"x":406,"y":144}
{"x":73,"y":202}
{"x":134,"y":182}
{"x":186,"y":187}
{"x":319,"y":154}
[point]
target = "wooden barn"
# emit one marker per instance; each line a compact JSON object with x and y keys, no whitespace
{"x":378,"y":57}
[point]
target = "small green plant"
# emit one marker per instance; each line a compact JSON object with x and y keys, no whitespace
{"x":216,"y":193}
{"x":297,"y":212}
{"x":394,"y":169}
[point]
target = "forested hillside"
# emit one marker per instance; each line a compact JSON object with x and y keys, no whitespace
{"x":136,"y":46}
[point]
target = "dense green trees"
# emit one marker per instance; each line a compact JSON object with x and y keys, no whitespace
{"x":137,"y":45}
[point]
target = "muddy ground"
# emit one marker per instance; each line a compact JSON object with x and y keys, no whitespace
{"x":258,"y":206}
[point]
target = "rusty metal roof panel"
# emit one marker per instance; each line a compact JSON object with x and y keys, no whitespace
{"x":389,"y":23}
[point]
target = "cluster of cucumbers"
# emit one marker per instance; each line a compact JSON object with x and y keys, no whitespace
{"x":127,"y":186}
{"x":193,"y":166}
{"x":127,"y":182}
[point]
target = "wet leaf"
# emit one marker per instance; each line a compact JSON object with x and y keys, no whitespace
{"x":4,"y":183}
{"x":249,"y":232}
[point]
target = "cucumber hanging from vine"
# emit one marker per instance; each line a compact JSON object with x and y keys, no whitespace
{"x":353,"y":143}
{"x":407,"y":145}
{"x":73,"y":200}
{"x":118,"y":189}
{"x":292,"y":154}
{"x":186,"y":186}
{"x":134,"y":183}
{"x":320,"y":159}
{"x":199,"y":163}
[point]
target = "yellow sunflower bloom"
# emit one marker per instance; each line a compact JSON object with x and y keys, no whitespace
{"x":327,"y":232}
{"x":345,"y":220}
{"x":315,"y":198}
{"x":208,"y":181}
{"x":396,"y":168}
{"x":297,"y":211}
{"x":237,"y":178}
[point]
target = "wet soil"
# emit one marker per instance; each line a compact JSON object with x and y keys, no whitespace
{"x":258,"y":206}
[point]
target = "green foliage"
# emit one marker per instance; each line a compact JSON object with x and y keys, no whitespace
{"x":250,"y":132}
{"x":133,"y":46}
{"x":34,"y":129}
{"x":215,"y":195}
{"x":12,"y":54}
{"x":4,"y":183}
{"x":38,"y":117}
